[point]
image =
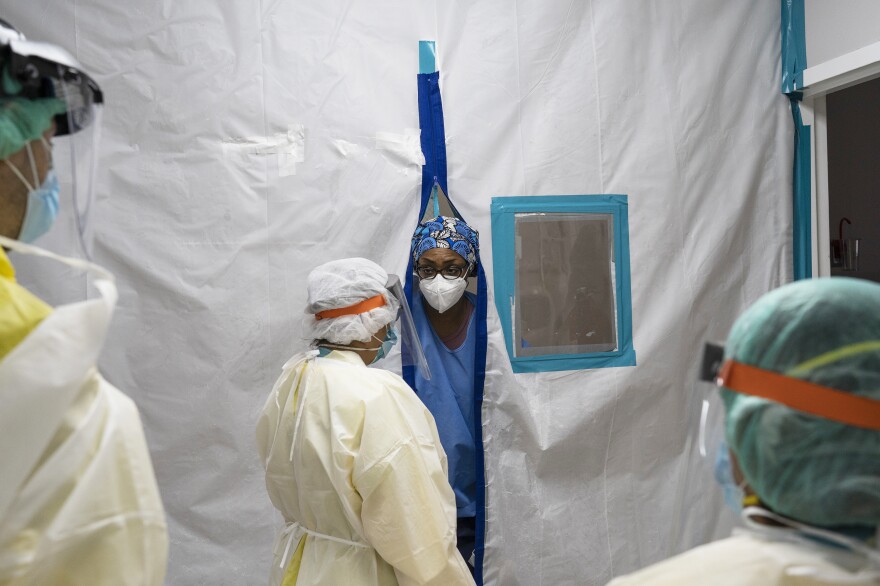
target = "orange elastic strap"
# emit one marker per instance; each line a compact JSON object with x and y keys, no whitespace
{"x":362,"y":307}
{"x":801,"y":395}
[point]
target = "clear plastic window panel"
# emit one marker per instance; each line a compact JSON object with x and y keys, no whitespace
{"x":565,"y":284}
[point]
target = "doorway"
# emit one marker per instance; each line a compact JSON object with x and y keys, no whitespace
{"x":853,"y":135}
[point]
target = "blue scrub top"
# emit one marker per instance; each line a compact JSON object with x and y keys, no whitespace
{"x":449,"y":396}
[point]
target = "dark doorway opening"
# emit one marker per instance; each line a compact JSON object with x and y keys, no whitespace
{"x":853,"y":116}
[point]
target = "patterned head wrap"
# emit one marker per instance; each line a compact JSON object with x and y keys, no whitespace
{"x":446,"y":232}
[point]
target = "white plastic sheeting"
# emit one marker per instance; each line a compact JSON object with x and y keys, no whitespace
{"x":246,"y":142}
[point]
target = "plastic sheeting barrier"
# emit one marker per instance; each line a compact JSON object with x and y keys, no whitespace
{"x":675,"y":103}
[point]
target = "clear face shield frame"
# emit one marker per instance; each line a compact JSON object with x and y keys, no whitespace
{"x":411,"y":351}
{"x":710,"y":435}
{"x":76,"y":159}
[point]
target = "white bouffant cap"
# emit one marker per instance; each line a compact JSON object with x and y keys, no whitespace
{"x":344,"y":283}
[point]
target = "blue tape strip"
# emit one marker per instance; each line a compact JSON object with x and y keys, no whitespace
{"x":503,"y":212}
{"x":802,"y":204}
{"x":794,"y":61}
{"x":794,"y":46}
{"x":433,"y":135}
{"x":479,"y":382}
{"x":427,"y":57}
{"x":433,"y":141}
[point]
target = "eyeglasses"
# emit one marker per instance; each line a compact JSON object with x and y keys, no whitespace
{"x":451,"y":272}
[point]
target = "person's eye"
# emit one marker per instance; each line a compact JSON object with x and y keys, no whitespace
{"x":453,"y":271}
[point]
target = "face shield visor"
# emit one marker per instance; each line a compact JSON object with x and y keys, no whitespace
{"x":710,"y":433}
{"x":699,"y":511}
{"x":411,"y":352}
{"x":34,"y":70}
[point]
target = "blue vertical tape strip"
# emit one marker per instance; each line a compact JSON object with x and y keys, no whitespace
{"x":794,"y":61}
{"x":433,"y":139}
{"x":801,"y":208}
{"x":794,"y":46}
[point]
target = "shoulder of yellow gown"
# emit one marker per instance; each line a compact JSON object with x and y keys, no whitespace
{"x":20,"y":310}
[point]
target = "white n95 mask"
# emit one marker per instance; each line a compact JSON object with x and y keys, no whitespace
{"x":440,"y":293}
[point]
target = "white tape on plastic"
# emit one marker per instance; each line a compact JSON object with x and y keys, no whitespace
{"x":288,"y":147}
{"x":407,"y":146}
{"x":286,"y":165}
{"x":347,"y":149}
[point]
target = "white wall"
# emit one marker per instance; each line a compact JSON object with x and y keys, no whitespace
{"x":837,"y":27}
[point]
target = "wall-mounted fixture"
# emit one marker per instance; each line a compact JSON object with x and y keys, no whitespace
{"x":845,"y":251}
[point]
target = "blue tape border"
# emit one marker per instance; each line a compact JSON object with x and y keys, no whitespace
{"x":794,"y":45}
{"x":794,"y":61}
{"x":504,"y":250}
{"x":802,"y":208}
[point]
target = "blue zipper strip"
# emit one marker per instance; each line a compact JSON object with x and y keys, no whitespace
{"x":433,"y":141}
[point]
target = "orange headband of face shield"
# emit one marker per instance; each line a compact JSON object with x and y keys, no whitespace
{"x":362,"y":307}
{"x":800,"y":395}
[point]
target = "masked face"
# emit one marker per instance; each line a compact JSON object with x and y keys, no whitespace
{"x":442,"y":276}
{"x":387,"y":344}
{"x":441,"y":293}
{"x":42,"y":197}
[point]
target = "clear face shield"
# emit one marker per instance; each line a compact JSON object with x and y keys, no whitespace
{"x":699,"y":511}
{"x":710,"y":435}
{"x":76,"y":162}
{"x":711,"y":442}
{"x":41,"y":71}
{"x":411,"y":352}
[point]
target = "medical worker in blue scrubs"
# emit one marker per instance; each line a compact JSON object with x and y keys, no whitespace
{"x":444,"y":252}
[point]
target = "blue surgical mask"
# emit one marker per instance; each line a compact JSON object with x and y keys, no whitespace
{"x":733,"y":492}
{"x":387,"y":344}
{"x":42,"y":209}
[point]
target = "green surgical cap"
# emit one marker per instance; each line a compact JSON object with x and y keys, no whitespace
{"x":808,"y":468}
{"x":23,"y":120}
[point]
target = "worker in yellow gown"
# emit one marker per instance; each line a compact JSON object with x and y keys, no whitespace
{"x":353,"y":460}
{"x":79,"y":503}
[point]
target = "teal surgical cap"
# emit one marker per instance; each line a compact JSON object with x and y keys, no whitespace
{"x":23,"y":120}
{"x":811,"y":469}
